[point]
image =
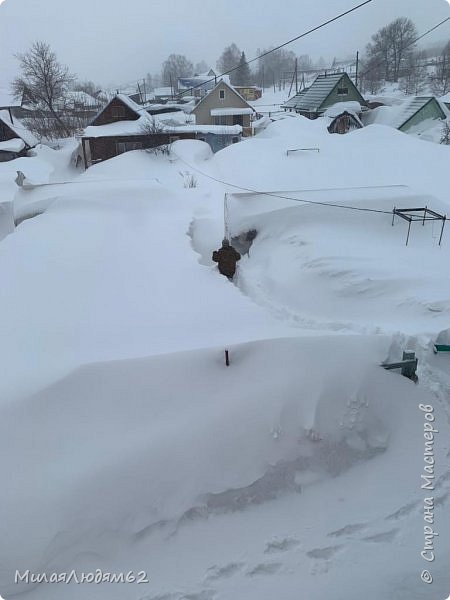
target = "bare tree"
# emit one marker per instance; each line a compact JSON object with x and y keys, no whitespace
{"x":201,"y":67}
{"x":391,"y":45}
{"x":45,"y":83}
{"x":153,"y":129}
{"x":177,"y":65}
{"x":414,"y":80}
{"x":89,"y":87}
{"x":277,"y":65}
{"x":371,"y":76}
{"x":229,"y":59}
{"x":441,"y":78}
{"x":445,"y":134}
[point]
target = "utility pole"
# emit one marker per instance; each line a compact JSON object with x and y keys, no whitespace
{"x":296,"y":75}
{"x":357,"y":65}
{"x":263,"y":78}
{"x":273,"y":79}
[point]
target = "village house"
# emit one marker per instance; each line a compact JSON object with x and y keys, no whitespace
{"x":415,"y":115}
{"x":15,"y":138}
{"x":344,"y":117}
{"x":325,"y":91}
{"x":197,"y":85}
{"x":418,"y":110}
{"x":249,"y":92}
{"x":123,"y":126}
{"x":224,"y":106}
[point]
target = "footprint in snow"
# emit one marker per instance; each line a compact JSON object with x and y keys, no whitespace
{"x":201,"y":595}
{"x":264,"y":569}
{"x":385,"y":536}
{"x":323,"y":553}
{"x":216,"y":572}
{"x":282,"y":545}
{"x":347,"y":530}
{"x":403,"y":511}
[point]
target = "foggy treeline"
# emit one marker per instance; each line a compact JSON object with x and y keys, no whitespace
{"x":64,"y":104}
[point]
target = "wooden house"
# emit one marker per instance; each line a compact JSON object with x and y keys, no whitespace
{"x":344,"y":122}
{"x":224,"y":106}
{"x":123,"y":126}
{"x":325,"y":91}
{"x":15,"y":138}
{"x":249,"y":92}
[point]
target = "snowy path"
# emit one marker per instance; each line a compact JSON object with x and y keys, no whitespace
{"x":113,"y":275}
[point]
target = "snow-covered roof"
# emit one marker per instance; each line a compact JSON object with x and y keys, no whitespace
{"x":203,"y":81}
{"x":14,"y":145}
{"x":217,"y":129}
{"x":163,"y":91}
{"x":445,"y":98}
{"x":219,"y":112}
{"x":312,"y":98}
{"x":352,"y":107}
{"x":18,"y":128}
{"x":398,"y":116}
{"x":132,"y":105}
{"x":82,"y":98}
{"x":125,"y":128}
{"x":408,"y":109}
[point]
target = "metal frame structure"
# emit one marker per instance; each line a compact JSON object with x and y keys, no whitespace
{"x":422,"y":214}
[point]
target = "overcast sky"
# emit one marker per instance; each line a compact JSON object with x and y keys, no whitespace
{"x":117,"y":41}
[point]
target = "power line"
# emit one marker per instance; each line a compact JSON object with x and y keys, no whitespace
{"x":283,"y":197}
{"x":298,"y":37}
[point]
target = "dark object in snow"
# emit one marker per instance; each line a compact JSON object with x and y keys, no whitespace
{"x":226,"y":257}
{"x":408,"y":365}
{"x":227,"y":358}
{"x":243,"y":241}
{"x":344,"y":122}
{"x":441,"y":348}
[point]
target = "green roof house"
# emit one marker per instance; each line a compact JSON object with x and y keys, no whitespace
{"x":414,"y":112}
{"x":325,"y":91}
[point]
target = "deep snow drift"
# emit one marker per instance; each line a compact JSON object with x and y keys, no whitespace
{"x":126,"y":442}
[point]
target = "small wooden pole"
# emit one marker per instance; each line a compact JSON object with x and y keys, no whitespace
{"x":227,"y":358}
{"x":442,"y":230}
{"x":424,"y":215}
{"x":409,"y":229}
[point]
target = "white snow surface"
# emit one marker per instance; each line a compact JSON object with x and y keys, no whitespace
{"x":127,"y":444}
{"x":14,"y":145}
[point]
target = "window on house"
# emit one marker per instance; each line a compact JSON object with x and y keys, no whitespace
{"x":221,"y":120}
{"x":222,"y":94}
{"x":343,"y":91}
{"x":122,"y":147}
